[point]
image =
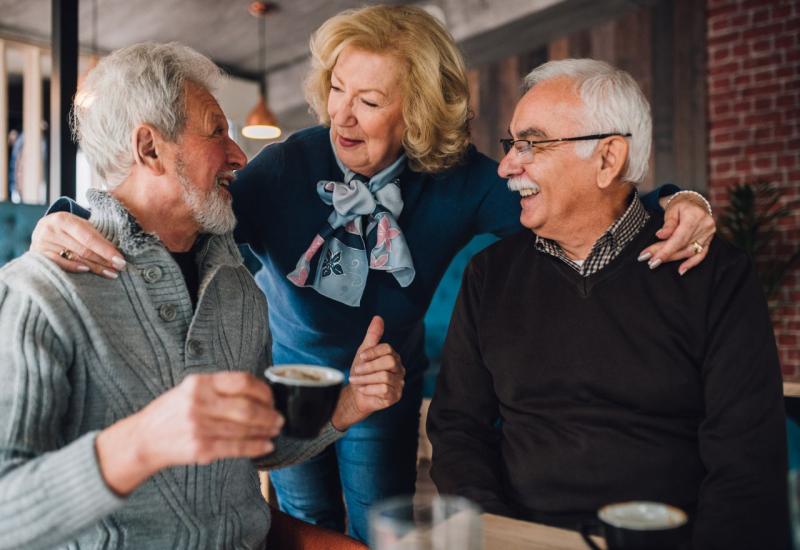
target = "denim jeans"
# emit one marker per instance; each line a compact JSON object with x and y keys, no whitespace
{"x":376,"y":460}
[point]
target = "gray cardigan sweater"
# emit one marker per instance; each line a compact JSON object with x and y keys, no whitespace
{"x":78,"y":353}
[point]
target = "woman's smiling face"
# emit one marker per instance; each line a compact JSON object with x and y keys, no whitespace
{"x":365,"y":105}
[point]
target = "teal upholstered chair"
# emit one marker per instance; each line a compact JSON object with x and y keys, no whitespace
{"x":17,"y":222}
{"x":793,"y":439}
{"x":16,"y":225}
{"x":437,"y":319}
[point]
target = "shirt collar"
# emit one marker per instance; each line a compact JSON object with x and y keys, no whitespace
{"x":609,"y":245}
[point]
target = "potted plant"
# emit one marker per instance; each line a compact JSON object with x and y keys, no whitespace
{"x":751,"y":221}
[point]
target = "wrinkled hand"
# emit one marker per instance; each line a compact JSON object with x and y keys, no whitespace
{"x":207,"y":417}
{"x":685,"y":222}
{"x":376,"y":381}
{"x":91,"y":251}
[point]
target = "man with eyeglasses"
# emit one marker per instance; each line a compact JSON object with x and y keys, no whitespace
{"x":573,"y":376}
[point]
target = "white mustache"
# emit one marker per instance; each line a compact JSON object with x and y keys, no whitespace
{"x":520,"y":182}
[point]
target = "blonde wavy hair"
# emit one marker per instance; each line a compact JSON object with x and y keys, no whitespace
{"x":436,"y":95}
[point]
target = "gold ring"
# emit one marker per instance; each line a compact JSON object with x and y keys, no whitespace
{"x":67,"y":254}
{"x":697,"y":248}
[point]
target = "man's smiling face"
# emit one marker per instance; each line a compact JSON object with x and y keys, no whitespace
{"x":553,"y":184}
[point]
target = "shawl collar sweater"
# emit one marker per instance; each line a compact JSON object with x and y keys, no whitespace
{"x":78,"y":353}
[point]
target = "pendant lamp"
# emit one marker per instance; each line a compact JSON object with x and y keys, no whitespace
{"x":261,"y":122}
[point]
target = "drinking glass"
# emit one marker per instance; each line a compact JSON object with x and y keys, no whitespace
{"x":430,"y":522}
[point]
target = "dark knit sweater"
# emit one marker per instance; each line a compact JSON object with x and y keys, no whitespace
{"x":561,"y":393}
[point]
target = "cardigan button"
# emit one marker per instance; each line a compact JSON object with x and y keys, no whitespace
{"x":167,"y":312}
{"x":195,"y":348}
{"x":152,"y":274}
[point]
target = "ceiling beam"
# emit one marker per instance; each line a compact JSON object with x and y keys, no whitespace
{"x":537,"y":28}
{"x":485,"y":31}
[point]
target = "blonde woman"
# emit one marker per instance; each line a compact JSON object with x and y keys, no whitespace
{"x":361,"y":216}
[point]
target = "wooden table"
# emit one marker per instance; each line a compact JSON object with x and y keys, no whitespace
{"x":501,"y":533}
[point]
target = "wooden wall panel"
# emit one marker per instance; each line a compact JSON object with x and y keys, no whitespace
{"x":32,"y":163}
{"x":661,"y":100}
{"x":3,"y":123}
{"x":662,"y":45}
{"x":495,"y":89}
{"x":691,"y":119}
{"x":632,"y":53}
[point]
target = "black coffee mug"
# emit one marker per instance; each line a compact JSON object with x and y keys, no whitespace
{"x":641,"y":525}
{"x":306,"y":396}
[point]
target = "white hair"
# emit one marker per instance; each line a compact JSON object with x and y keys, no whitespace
{"x":613,"y":102}
{"x":139,"y":84}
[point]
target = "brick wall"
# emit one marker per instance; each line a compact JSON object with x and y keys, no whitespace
{"x":754,"y":125}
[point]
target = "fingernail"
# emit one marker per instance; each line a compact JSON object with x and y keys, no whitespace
{"x":109,"y":274}
{"x":681,"y":271}
{"x":652,"y":264}
{"x":118,"y":262}
{"x":268,"y":447}
{"x":82,"y":268}
{"x":644,"y":256}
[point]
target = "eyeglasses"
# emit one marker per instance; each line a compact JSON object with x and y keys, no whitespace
{"x":524,"y":147}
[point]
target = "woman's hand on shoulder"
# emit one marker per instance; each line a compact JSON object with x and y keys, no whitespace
{"x":686,"y":234}
{"x":76,"y":246}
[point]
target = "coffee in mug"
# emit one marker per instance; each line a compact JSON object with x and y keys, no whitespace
{"x":642,"y":525}
{"x":306,"y":396}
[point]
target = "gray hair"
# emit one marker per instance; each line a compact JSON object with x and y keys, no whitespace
{"x":613,"y":102}
{"x":139,"y":84}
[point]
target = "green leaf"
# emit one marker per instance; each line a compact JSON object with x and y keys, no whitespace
{"x":751,"y":221}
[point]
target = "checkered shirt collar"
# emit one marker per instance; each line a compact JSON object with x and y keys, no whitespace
{"x":610,"y":243}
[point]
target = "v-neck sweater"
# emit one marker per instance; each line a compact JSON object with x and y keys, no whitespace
{"x":561,"y":393}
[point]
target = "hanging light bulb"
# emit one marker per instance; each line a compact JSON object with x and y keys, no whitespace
{"x":261,"y":122}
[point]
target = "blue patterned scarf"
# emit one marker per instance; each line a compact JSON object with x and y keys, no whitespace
{"x":337,"y":262}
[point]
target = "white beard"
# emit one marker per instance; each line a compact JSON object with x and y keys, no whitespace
{"x":211,"y":210}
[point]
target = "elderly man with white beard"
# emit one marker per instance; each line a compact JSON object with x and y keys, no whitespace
{"x":133,"y":410}
{"x":573,"y":376}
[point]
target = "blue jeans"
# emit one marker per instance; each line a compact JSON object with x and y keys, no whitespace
{"x":376,"y":460}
